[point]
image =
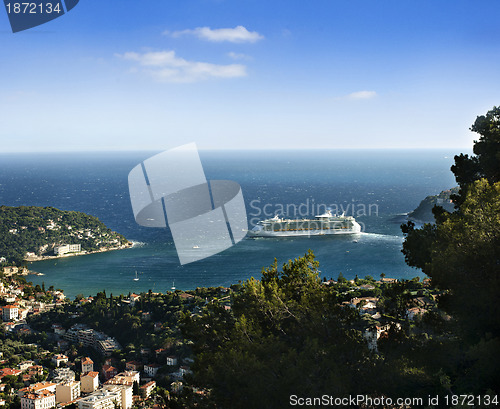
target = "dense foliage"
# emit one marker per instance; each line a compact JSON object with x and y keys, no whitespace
{"x":461,"y":253}
{"x":38,"y":229}
{"x":289,"y":334}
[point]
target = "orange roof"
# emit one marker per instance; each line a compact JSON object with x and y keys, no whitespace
{"x":8,"y":307}
{"x":92,"y":374}
{"x":87,"y":361}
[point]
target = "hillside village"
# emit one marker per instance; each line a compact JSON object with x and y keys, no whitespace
{"x":101,"y":352}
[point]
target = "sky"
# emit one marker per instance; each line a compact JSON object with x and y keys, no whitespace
{"x":250,"y":74}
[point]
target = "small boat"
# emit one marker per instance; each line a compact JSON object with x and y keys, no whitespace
{"x":173,"y":286}
{"x":136,"y":278}
{"x":196,"y":247}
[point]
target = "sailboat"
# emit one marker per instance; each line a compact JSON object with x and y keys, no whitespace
{"x":173,"y":286}
{"x":136,"y":278}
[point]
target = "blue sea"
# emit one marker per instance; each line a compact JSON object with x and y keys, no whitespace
{"x":375,"y":186}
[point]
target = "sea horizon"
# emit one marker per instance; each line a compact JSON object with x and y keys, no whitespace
{"x":395,"y":181}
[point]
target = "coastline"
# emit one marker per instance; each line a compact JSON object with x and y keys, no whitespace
{"x":80,"y":253}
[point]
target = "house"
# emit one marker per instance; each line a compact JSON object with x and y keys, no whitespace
{"x":108,"y":372}
{"x":23,"y":366}
{"x":414,"y":312}
{"x":59,"y":359}
{"x":102,"y":399}
{"x":127,"y":376}
{"x":133,"y":299}
{"x":38,"y":387}
{"x":151,"y":369}
{"x":146,"y":389}
{"x":67,"y":392}
{"x":184,"y":370}
{"x":87,"y":365}
{"x":9,"y":371}
{"x":10,"y":312}
{"x":89,"y":382}
{"x":373,"y":334}
{"x":186,"y":297}
{"x":176,"y":387}
{"x":133,"y":366}
{"x":38,"y":400}
{"x":171,"y":360}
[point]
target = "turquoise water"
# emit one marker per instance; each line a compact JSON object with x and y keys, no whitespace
{"x":388,"y":183}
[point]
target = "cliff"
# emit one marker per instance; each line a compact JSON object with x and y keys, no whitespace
{"x":423,"y":212}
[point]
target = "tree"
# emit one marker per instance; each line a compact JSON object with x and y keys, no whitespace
{"x":461,"y":254}
{"x":285,"y":334}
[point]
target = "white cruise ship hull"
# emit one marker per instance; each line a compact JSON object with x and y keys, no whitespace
{"x":260,"y":232}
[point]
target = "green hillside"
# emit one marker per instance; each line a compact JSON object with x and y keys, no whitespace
{"x":30,"y":229}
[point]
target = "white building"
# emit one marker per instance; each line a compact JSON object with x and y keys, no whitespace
{"x":38,"y":400}
{"x":67,"y":248}
{"x":126,"y":394}
{"x":151,"y":369}
{"x":100,"y":400}
{"x":127,"y":376}
{"x":87,"y":365}
{"x":66,"y":392}
{"x":59,"y":359}
{"x":63,"y":375}
{"x":10,"y":312}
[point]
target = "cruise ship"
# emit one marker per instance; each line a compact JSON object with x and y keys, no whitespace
{"x":323,"y":224}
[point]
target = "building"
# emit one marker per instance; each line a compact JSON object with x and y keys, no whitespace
{"x":92,"y":338}
{"x":127,"y":376}
{"x":38,"y":387}
{"x":87,"y":365}
{"x":38,"y":400}
{"x":10,"y":312}
{"x":184,"y":370}
{"x":171,"y":360}
{"x":414,"y":312}
{"x":108,"y":372}
{"x":151,"y":369}
{"x":63,"y":375}
{"x":102,"y":399}
{"x":66,"y":392}
{"x":9,"y":371}
{"x":67,"y":248}
{"x":89,"y":382}
{"x":23,"y":366}
{"x":59,"y":359}
{"x":146,"y":389}
{"x":133,"y":366}
{"x":126,"y":394}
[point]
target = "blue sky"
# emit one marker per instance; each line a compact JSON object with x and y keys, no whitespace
{"x":233,"y":74}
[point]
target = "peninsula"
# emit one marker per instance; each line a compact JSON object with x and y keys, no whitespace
{"x":30,"y":233}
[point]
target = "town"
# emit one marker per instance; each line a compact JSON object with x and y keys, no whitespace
{"x":101,"y":352}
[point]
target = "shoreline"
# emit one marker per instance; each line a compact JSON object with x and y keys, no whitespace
{"x":81,"y":253}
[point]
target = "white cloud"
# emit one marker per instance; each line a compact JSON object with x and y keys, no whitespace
{"x":362,"y":95}
{"x":238,"y":34}
{"x":165,"y":66}
{"x":239,"y":56}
